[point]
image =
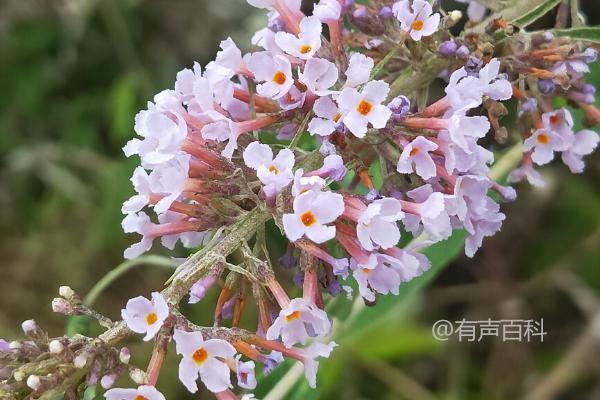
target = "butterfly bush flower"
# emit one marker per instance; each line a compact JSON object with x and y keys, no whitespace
{"x":417,"y":18}
{"x":416,"y":155}
{"x":144,"y":316}
{"x":363,"y":108}
{"x":312,"y":212}
{"x":194,"y":187}
{"x":204,"y":359}
{"x":299,"y":321}
{"x":274,"y":173}
{"x":306,"y":44}
{"x":143,"y":392}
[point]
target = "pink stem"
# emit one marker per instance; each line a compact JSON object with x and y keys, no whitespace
{"x":437,"y":124}
{"x":437,"y":108}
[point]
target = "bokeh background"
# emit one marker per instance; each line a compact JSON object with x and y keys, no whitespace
{"x":73,"y":73}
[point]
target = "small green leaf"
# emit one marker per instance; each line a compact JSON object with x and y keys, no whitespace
{"x":589,"y":33}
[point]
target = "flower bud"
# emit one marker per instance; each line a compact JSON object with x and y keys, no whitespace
{"x":588,"y":89}
{"x":66,"y":292}
{"x":80,"y":360}
{"x":29,"y":326}
{"x":137,"y":375}
{"x":589,"y":55}
{"x":455,"y":16}
{"x":62,"y":306}
{"x":546,"y":86}
{"x":56,"y":346}
{"x":463,"y":52}
{"x":400,"y":106}
{"x":448,"y":48}
{"x":14,"y":345}
{"x":124,"y":355}
{"x":33,"y":381}
{"x":107,"y":381}
{"x":386,"y":13}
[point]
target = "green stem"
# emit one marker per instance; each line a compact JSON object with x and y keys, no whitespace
{"x":300,"y":131}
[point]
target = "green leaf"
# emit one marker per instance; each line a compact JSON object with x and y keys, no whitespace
{"x":536,"y":13}
{"x":588,"y":33}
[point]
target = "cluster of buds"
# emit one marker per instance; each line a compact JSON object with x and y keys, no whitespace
{"x":348,"y":80}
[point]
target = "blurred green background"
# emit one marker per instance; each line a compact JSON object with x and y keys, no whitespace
{"x":73,"y":73}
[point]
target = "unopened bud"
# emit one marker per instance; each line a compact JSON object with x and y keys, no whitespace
{"x":124,"y":355}
{"x":62,"y":306}
{"x":28,"y":326}
{"x":56,"y":347}
{"x":66,"y":292}
{"x":107,"y":381}
{"x":455,"y":16}
{"x":463,"y":52}
{"x":14,"y":345}
{"x":33,"y":381}
{"x":137,"y":375}
{"x":80,"y":360}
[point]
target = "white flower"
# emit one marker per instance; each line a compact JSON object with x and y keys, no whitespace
{"x":162,"y":137}
{"x":319,"y":75}
{"x":274,"y":173}
{"x":359,"y":70}
{"x":460,"y":127}
{"x":205,"y":359}
{"x":362,"y":108}
{"x":583,"y":144}
{"x":144,"y":316}
{"x":312,"y":211}
{"x":275,"y":72}
{"x":221,"y":129}
{"x":306,"y":44}
{"x":144,"y":392}
{"x":141,"y":184}
{"x":188,"y":239}
{"x":416,"y":154}
{"x":430,"y":211}
{"x":230,"y":57}
{"x":169,"y":180}
{"x":494,"y":85}
{"x":375,"y":277}
{"x":327,"y":117}
{"x":305,"y":183}
{"x":298,"y":321}
{"x":138,"y":223}
{"x":184,"y":84}
{"x":544,"y":143}
{"x":328,"y":10}
{"x":418,"y":19}
{"x":377,"y":226}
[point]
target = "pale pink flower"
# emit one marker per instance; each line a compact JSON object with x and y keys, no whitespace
{"x":328,"y":117}
{"x":246,"y":377}
{"x":359,"y":70}
{"x":544,"y":143}
{"x":584,"y":143}
{"x":415,"y":157}
{"x":310,"y":355}
{"x":144,"y":316}
{"x":204,"y":359}
{"x":312,"y":212}
{"x":363,"y":108}
{"x":306,"y":44}
{"x":274,"y":71}
{"x":305,"y":183}
{"x":298,"y":321}
{"x":376,"y":225}
{"x":188,"y":239}
{"x":417,"y":19}
{"x":274,"y":173}
{"x":319,"y":75}
{"x":374,"y":277}
{"x":328,"y":10}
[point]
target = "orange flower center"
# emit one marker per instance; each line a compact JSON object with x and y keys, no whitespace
{"x":366,"y":271}
{"x":305,"y":49}
{"x":273,"y":169}
{"x":308,"y":218}
{"x":293,"y":316}
{"x":337,"y":117}
{"x":543,"y":139}
{"x":364,"y":107}
{"x":417,"y":25}
{"x":555,"y":119}
{"x":279,"y":78}
{"x":140,"y":397}
{"x":151,"y":318}
{"x":200,"y":356}
{"x":414,"y":151}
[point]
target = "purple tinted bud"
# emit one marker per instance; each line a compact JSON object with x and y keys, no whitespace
{"x":288,"y":260}
{"x":227,"y":311}
{"x":360,"y":13}
{"x":271,"y":361}
{"x":299,"y":279}
{"x":529,"y":105}
{"x":386,"y":12}
{"x":348,"y":3}
{"x":546,"y":86}
{"x":277,"y":25}
{"x":400,"y":106}
{"x":4,"y":346}
{"x":463,"y":52}
{"x":397,"y":194}
{"x":473,"y":65}
{"x":589,"y":55}
{"x":577,"y":96}
{"x":334,"y":287}
{"x":448,"y":48}
{"x":541,"y":38}
{"x":372,"y":195}
{"x":588,"y":88}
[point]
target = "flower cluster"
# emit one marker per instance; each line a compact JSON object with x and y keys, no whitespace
{"x":213,"y":180}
